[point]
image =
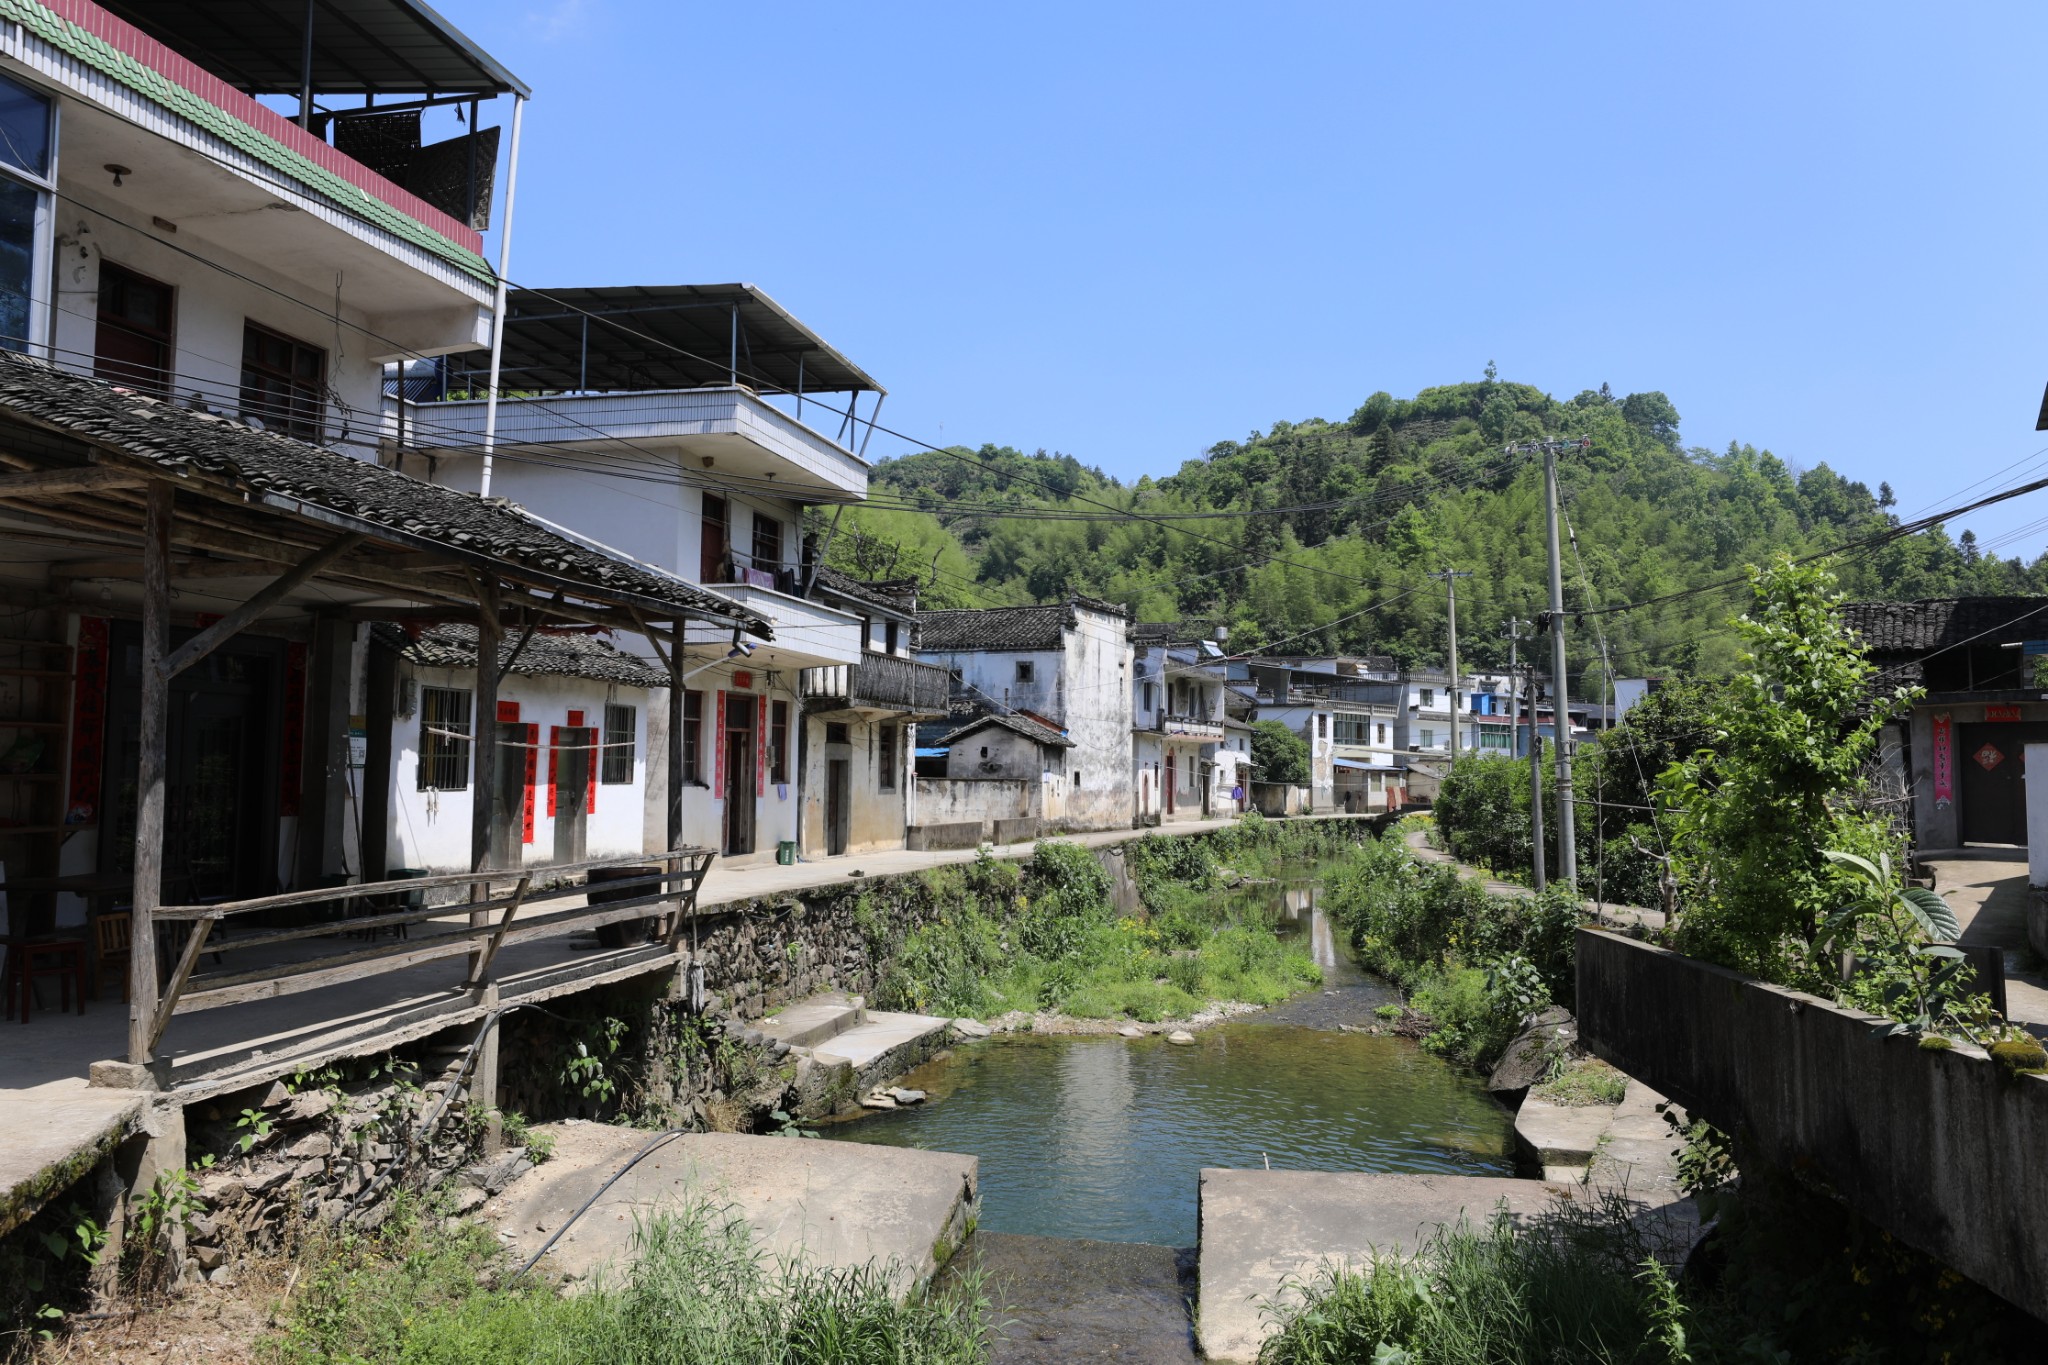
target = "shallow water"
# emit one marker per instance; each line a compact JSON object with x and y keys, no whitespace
{"x":1104,"y":1138}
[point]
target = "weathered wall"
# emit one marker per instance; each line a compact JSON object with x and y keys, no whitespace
{"x":948,"y":801}
{"x":875,"y":817}
{"x":1096,"y":710}
{"x":995,"y":752}
{"x":1943,"y":1149}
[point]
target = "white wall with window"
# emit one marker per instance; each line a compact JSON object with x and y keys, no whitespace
{"x":432,"y":764}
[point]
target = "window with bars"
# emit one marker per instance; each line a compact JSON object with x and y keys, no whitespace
{"x":621,"y":743}
{"x":693,"y":732}
{"x":885,"y":760}
{"x":284,"y":382}
{"x":767,"y":542}
{"x":778,"y":741}
{"x":444,"y":739}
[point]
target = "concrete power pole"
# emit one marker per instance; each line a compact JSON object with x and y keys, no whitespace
{"x":1515,"y":624}
{"x":1450,"y":578}
{"x":1567,"y":851}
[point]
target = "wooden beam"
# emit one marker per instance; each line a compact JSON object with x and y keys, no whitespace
{"x":52,"y":482}
{"x":533,"y":621}
{"x":484,"y":752}
{"x":154,"y":735}
{"x":210,"y":639}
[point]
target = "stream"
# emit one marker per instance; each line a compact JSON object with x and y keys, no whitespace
{"x":1102,"y":1138}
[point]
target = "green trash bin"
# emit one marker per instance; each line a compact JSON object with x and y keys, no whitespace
{"x":785,"y":852}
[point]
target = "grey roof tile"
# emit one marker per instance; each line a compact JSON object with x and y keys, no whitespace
{"x":570,"y":655}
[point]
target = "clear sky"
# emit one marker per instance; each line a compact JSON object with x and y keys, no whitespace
{"x":1126,"y":231}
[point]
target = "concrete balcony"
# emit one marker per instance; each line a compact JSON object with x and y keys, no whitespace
{"x":1190,"y":727}
{"x":807,"y":634}
{"x":880,"y":685}
{"x":727,"y":432}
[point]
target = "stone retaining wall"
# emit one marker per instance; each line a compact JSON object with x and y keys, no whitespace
{"x":1944,"y":1149}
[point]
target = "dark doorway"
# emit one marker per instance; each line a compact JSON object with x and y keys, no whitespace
{"x":1172,"y":781}
{"x":711,"y":548}
{"x":838,"y":804}
{"x":572,"y":793}
{"x":132,"y":346}
{"x":222,"y":775}
{"x":739,"y":774}
{"x":508,"y":813}
{"x":1991,"y":773}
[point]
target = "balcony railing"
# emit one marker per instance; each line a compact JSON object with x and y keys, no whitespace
{"x":881,"y":682}
{"x":1190,"y":727}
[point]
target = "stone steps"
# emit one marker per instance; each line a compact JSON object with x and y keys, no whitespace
{"x":841,"y":1045}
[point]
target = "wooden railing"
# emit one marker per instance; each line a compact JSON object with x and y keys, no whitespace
{"x":492,"y":908}
{"x":881,"y":680}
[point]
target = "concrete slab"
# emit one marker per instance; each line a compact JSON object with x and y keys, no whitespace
{"x":885,"y":1045}
{"x":816,"y":1020}
{"x":835,"y":1203}
{"x":54,"y":1134}
{"x":1639,"y":1156}
{"x":1987,"y":888}
{"x":1056,"y":1300}
{"x":1559,"y":1135}
{"x":1262,"y":1229}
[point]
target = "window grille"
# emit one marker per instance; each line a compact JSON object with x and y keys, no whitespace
{"x":444,"y":739}
{"x":885,"y":778}
{"x":621,"y":735}
{"x":693,"y":729}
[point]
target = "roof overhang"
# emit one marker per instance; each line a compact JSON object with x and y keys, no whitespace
{"x":360,"y":47}
{"x":634,"y":337}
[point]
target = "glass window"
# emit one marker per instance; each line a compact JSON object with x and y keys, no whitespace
{"x":885,"y":776}
{"x":693,"y":730}
{"x":767,"y":543}
{"x":284,"y":382}
{"x":20,"y":209}
{"x":1429,"y":696}
{"x":1428,"y":739}
{"x":621,"y":735}
{"x":24,"y":129}
{"x":778,"y":741}
{"x":444,"y":739}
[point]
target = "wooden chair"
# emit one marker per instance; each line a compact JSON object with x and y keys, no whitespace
{"x":113,"y":945}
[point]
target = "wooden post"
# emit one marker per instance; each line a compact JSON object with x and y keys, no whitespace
{"x":484,"y":751}
{"x":149,"y":775}
{"x":675,"y":740}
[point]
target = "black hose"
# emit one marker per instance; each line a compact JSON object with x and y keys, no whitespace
{"x":669,"y":1135}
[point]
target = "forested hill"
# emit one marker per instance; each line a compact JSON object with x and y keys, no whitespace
{"x":1320,"y":536}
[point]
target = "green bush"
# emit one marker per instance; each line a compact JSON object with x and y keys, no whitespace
{"x":695,"y":1290}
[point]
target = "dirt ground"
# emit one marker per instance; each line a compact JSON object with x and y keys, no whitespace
{"x":213,"y":1323}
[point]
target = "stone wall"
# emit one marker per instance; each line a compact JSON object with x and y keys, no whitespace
{"x":1940,"y":1148}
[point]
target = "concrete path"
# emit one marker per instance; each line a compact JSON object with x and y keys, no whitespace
{"x":1560,"y":1138}
{"x":1263,"y":1231}
{"x":1989,"y":896}
{"x":840,"y":1204}
{"x":1054,"y":1300}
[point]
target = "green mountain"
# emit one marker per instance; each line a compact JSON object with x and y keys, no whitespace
{"x":1320,"y":536}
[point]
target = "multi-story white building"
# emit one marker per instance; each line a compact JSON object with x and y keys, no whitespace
{"x":669,"y":424}
{"x":1351,"y":721}
{"x":1177,"y":726}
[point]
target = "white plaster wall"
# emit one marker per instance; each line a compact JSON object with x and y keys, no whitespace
{"x":209,"y":309}
{"x":1097,"y":714}
{"x":949,"y":801}
{"x":990,"y":676}
{"x":2037,"y":814}
{"x":431,"y":829}
{"x":877,"y":818}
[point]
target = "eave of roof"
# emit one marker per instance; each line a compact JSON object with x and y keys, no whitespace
{"x":576,"y":655}
{"x":1030,"y":729}
{"x":322,"y":485}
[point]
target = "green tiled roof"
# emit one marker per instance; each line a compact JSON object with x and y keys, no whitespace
{"x":153,"y":86}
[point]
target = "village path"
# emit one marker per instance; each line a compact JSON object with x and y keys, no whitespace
{"x":1989,"y":896}
{"x":49,"y":1116}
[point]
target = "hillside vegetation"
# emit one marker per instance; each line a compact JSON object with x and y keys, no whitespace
{"x":1348,"y":518}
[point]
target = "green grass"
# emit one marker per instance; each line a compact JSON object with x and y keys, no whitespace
{"x":697,"y":1291}
{"x":1583,"y":1084}
{"x":1584,"y":1290}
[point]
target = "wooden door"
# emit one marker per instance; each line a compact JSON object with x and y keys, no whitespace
{"x":572,"y":794}
{"x":838,"y":804}
{"x":1172,"y":781}
{"x":739,"y":775}
{"x":1991,"y":775}
{"x":132,"y":346}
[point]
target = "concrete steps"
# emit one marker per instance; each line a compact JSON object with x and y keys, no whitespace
{"x":837,"y":1035}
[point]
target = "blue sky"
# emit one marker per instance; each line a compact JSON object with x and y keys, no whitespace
{"x":1129,"y":231}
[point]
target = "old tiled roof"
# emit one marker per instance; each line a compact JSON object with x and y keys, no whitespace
{"x":1891,"y":629}
{"x":174,"y":438}
{"x":1023,"y":725}
{"x":995,"y":628}
{"x":882,"y":595}
{"x":453,"y":645}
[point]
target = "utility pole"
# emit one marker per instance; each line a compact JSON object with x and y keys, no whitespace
{"x":1536,"y":859}
{"x":1567,"y":852}
{"x":1450,"y":578}
{"x":1515,"y":624}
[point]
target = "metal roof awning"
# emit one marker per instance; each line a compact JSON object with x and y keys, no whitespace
{"x":682,"y":336}
{"x":360,"y":47}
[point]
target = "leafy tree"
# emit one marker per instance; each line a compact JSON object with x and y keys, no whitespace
{"x":1754,"y":817}
{"x":1281,"y":755}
